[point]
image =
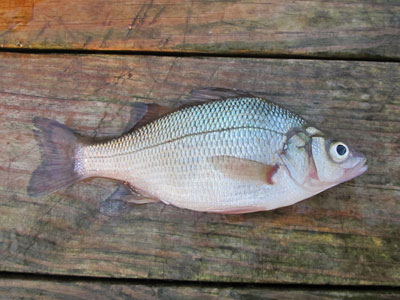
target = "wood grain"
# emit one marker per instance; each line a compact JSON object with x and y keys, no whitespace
{"x":11,"y":289}
{"x":317,"y":27}
{"x":346,"y":235}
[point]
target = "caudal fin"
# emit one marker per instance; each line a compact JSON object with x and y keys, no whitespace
{"x":58,"y":169}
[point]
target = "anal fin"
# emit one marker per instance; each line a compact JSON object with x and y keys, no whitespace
{"x":132,"y":195}
{"x":118,"y":202}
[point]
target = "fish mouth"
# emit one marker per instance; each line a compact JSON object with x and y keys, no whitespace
{"x":357,"y":170}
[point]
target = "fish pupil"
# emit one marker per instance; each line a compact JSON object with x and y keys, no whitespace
{"x":341,"y":150}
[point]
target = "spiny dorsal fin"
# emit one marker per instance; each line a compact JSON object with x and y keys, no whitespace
{"x":143,"y":114}
{"x":214,"y":94}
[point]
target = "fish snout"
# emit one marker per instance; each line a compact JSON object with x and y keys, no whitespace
{"x":360,"y":166}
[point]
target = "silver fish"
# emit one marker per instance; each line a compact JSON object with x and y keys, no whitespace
{"x":240,"y":154}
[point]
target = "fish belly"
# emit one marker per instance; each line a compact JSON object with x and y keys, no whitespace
{"x":181,"y":172}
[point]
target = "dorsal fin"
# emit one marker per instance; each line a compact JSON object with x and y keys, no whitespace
{"x":138,"y":111}
{"x":214,"y":94}
{"x":154,"y":111}
{"x":143,"y":114}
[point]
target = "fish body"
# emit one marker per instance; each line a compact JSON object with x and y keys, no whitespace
{"x":236,"y":155}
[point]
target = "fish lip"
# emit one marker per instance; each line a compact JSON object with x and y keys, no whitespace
{"x":359,"y":169}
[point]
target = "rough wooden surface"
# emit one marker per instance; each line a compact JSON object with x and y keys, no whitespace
{"x":317,"y":27}
{"x":11,"y":289}
{"x":346,"y":235}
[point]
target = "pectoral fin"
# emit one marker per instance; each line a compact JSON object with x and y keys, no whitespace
{"x":244,"y":169}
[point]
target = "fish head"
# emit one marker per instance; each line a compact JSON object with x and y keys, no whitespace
{"x":336,"y":162}
{"x":333,"y":162}
{"x":317,"y":163}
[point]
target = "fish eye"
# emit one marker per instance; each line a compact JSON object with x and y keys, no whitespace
{"x":339,"y":151}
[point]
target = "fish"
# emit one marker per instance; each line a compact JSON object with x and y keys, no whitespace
{"x":232,"y":152}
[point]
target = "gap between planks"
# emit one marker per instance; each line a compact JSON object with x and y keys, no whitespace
{"x":4,"y":275}
{"x":344,"y":57}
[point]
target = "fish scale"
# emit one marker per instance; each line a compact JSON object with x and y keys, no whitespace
{"x":242,"y":112}
{"x":168,"y":157}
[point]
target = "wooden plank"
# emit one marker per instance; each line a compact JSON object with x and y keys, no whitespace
{"x":316,"y":27}
{"x":55,"y":289}
{"x":346,"y":235}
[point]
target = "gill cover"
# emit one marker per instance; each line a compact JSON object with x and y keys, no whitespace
{"x":296,"y":155}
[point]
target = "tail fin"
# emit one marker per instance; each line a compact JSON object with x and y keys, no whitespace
{"x":58,"y":145}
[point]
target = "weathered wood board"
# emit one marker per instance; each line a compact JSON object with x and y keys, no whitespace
{"x":317,"y":27}
{"x":346,"y":235}
{"x":104,"y":290}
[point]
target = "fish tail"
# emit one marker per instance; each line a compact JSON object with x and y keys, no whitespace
{"x":59,"y":167}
